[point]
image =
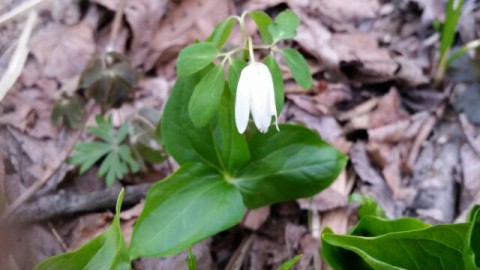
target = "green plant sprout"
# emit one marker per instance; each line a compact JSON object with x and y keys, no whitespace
{"x":223,"y":171}
{"x":452,"y":16}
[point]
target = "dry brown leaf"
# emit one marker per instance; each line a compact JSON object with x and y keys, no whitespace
{"x":399,"y":131}
{"x":388,"y":111}
{"x":184,"y":23}
{"x":255,"y":218}
{"x":63,"y":51}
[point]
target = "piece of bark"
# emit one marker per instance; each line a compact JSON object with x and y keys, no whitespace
{"x":64,"y":203}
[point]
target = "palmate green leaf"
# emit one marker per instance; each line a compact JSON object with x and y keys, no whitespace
{"x":206,"y":96}
{"x":185,"y":143}
{"x":222,"y":32}
{"x":107,"y":251}
{"x":436,"y":247}
{"x":117,"y":156}
{"x":195,"y":57}
{"x":298,"y":67}
{"x":234,"y":71}
{"x":284,"y":26}
{"x":190,"y":205}
{"x":263,"y":21}
{"x":277,"y":77}
{"x":290,"y":164}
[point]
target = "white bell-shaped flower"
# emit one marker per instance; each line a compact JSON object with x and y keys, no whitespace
{"x":255,"y":93}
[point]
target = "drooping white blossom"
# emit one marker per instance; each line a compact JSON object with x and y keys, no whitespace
{"x":255,"y":94}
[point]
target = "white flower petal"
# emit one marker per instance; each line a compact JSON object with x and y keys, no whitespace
{"x":242,"y":101}
{"x":255,"y":93}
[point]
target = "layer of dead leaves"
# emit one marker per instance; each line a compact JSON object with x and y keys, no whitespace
{"x":372,"y":99}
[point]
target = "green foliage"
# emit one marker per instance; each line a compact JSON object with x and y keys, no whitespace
{"x":405,"y":243}
{"x":192,"y":204}
{"x":290,"y":263}
{"x":285,"y":26}
{"x":263,"y":21}
{"x":285,"y":165}
{"x":368,"y":206}
{"x":116,"y":154}
{"x":454,"y":9}
{"x":191,"y":260}
{"x":222,"y":172}
{"x":222,"y":32}
{"x":107,"y":251}
{"x":234,"y":70}
{"x":298,"y":67}
{"x":195,"y":57}
{"x":274,"y":68}
{"x":206,"y":97}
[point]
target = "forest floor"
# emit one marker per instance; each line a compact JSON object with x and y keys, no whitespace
{"x":413,"y":146}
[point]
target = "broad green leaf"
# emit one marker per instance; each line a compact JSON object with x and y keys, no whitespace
{"x":284,"y":26}
{"x":473,"y":248}
{"x":277,"y":77}
{"x":107,"y":251}
{"x":232,"y":148}
{"x":290,"y":263}
{"x":234,"y":70}
{"x":195,"y":57}
{"x":436,"y":247}
{"x":293,"y":163}
{"x":298,"y":67}
{"x":222,"y":32}
{"x":263,"y":21}
{"x":373,"y":226}
{"x":192,"y":204}
{"x":205,"y":99}
{"x":186,"y":143}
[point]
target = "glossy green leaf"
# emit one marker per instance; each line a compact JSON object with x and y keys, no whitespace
{"x":107,"y":251}
{"x":298,"y":67}
{"x":186,"y":143}
{"x":206,"y":96}
{"x":222,"y":32}
{"x":192,"y":204}
{"x":277,"y":77}
{"x":436,"y":247}
{"x":234,"y":71}
{"x":263,"y":21}
{"x":473,"y":247}
{"x":195,"y":57}
{"x":373,"y":226}
{"x":284,"y":26}
{"x":293,"y":163}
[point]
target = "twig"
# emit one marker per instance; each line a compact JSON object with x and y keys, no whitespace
{"x":67,"y":203}
{"x":49,"y":173}
{"x":20,"y":10}
{"x":58,"y":237}
{"x":19,"y":57}
{"x":116,"y":25}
